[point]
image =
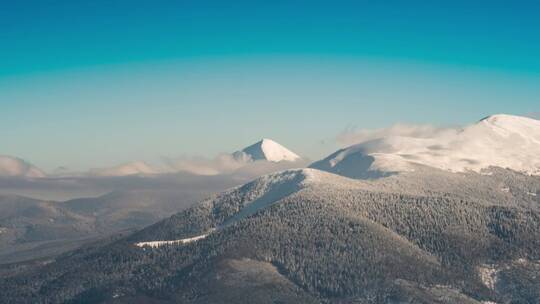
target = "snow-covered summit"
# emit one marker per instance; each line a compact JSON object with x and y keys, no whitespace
{"x":16,"y":167}
{"x":505,"y":141}
{"x":265,"y":149}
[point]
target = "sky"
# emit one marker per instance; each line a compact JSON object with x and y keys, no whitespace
{"x":88,"y":84}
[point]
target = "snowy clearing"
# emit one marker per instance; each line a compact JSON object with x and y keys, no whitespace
{"x":156,"y":244}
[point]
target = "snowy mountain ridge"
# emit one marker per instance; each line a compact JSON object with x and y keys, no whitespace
{"x":506,"y":141}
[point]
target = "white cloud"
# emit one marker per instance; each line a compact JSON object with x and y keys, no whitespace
{"x":13,"y":166}
{"x":223,"y":163}
{"x":353,"y":136}
{"x":227,"y":164}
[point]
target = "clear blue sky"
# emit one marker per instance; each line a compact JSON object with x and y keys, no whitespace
{"x":93,"y":83}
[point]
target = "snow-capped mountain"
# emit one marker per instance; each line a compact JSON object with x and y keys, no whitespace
{"x":505,"y":141}
{"x":270,"y":157}
{"x":309,"y":236}
{"x":265,"y":156}
{"x":16,"y":167}
{"x":132,"y":168}
{"x":265,"y":149}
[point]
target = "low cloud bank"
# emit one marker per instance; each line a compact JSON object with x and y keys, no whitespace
{"x":222,"y":164}
{"x":180,"y":174}
{"x":227,"y":164}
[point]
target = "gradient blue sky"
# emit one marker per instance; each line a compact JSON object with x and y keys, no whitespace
{"x":94,"y":83}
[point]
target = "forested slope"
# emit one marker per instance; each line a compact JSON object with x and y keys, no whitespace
{"x":318,"y":237}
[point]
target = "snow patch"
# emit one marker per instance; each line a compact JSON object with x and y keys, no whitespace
{"x":157,"y":244}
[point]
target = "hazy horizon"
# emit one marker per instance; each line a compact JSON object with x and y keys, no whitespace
{"x":81,"y":88}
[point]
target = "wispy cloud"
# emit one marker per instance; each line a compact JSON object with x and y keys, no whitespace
{"x":226,"y":164}
{"x":223,"y":163}
{"x":353,"y":135}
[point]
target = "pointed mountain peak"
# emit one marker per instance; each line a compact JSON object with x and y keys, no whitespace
{"x":266,"y":149}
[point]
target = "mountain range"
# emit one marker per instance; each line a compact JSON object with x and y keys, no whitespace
{"x":31,"y":228}
{"x":265,"y":150}
{"x":447,"y":217}
{"x":139,"y":195}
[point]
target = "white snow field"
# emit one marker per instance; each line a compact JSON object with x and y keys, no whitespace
{"x":506,"y":141}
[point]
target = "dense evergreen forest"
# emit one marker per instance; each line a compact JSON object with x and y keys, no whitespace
{"x":428,"y":237}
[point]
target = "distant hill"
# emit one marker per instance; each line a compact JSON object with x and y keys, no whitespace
{"x":132,"y":168}
{"x":31,"y":228}
{"x":16,"y":167}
